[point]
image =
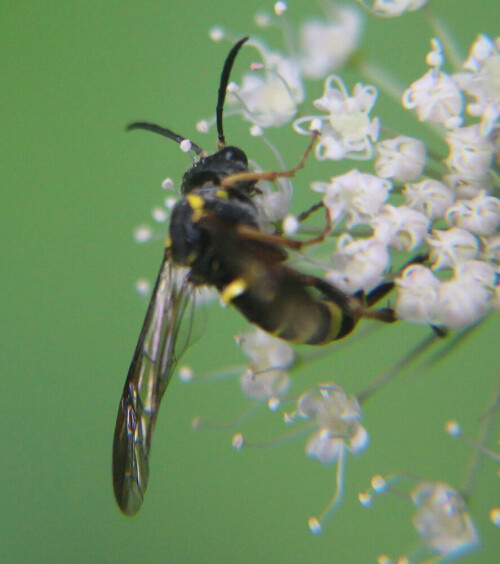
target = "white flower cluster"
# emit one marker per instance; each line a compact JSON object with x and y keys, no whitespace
{"x":449,"y":210}
{"x":465,"y":247}
{"x":462,"y":195}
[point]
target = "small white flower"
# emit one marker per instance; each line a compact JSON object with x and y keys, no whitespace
{"x":167,"y":184}
{"x":366,"y":500}
{"x":482,"y":81}
{"x":402,"y":228}
{"x":143,"y":234}
{"x":266,"y":102}
{"x":449,"y":247}
{"x":238,"y":442}
{"x":393,"y":8}
{"x":338,"y":419}
{"x":490,"y":248}
{"x":435,"y":96}
{"x":273,"y":204}
{"x":462,"y":301}
{"x":203,"y":126}
{"x":429,"y":196}
{"x":264,"y":350}
{"x":402,"y":158}
{"x":291,"y":225}
{"x":159,"y":215}
{"x":216,"y":34}
{"x":471,"y":154}
{"x":453,"y":428}
{"x":379,"y":484}
{"x":280,"y":8}
{"x":478,"y":271}
{"x":186,"y":374}
{"x":267,"y":384}
{"x":185,"y":145}
{"x":355,"y":196}
{"x":269,"y":98}
{"x":441,"y":519}
{"x":327,"y":45}
{"x":465,"y":186}
{"x":262,"y":19}
{"x":417,"y":297}
{"x":169,"y":203}
{"x":480,"y":52}
{"x":359,"y":441}
{"x":269,"y":359}
{"x":495,"y":516}
{"x":256,"y":131}
{"x":358,"y":264}
{"x":347,"y":129}
{"x":480,"y":215}
{"x":143,"y":287}
{"x":435,"y":57}
{"x":325,"y":449}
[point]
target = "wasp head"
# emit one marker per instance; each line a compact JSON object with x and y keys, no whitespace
{"x":210,"y":170}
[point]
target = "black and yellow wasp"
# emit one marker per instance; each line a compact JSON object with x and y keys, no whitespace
{"x":214,"y":232}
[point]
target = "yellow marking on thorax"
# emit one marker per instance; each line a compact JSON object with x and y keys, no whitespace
{"x":233,"y":290}
{"x":197,"y":205}
{"x":222,"y":194}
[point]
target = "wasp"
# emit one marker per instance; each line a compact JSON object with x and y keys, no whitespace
{"x":215,"y":240}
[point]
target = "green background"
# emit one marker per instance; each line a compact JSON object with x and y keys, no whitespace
{"x":74,"y":186}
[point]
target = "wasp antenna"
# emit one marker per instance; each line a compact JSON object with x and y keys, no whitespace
{"x":162,"y":131}
{"x":224,"y":79}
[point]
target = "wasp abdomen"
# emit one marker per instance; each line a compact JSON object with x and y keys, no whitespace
{"x":277,"y":299}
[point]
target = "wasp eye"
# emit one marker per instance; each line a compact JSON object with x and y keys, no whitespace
{"x":235,"y":154}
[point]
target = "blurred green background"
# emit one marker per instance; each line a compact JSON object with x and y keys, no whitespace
{"x":74,"y":186}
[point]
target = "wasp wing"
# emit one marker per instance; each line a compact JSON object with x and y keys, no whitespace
{"x":150,"y":372}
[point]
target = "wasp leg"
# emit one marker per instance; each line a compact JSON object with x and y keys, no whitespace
{"x":384,"y":288}
{"x":305,"y":214}
{"x":322,"y":235}
{"x":355,"y":306}
{"x":254,"y":234}
{"x":271,"y":175}
{"x":277,"y":238}
{"x":386,"y":314}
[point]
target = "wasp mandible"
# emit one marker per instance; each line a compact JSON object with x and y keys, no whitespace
{"x":215,"y":240}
